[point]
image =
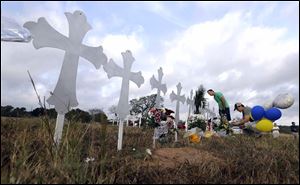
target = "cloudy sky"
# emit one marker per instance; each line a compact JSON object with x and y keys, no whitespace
{"x":249,"y":51}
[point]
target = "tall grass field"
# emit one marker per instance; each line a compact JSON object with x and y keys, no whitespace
{"x":88,"y":154}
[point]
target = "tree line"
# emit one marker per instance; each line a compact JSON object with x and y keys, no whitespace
{"x":76,"y":115}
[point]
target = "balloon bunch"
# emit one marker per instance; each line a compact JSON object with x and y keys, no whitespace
{"x":266,"y":116}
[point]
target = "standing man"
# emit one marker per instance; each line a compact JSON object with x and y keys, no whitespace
{"x":294,"y":130}
{"x":223,"y":104}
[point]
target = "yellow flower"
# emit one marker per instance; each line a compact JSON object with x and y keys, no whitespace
{"x":194,"y":138}
{"x":208,"y":134}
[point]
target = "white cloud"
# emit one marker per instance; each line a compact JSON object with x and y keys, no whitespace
{"x":232,"y":56}
{"x":223,"y":76}
{"x":232,"y":74}
{"x":114,"y":44}
{"x":97,"y":26}
{"x":161,"y":10}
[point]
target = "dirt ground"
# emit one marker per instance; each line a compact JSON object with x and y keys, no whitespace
{"x":170,"y":157}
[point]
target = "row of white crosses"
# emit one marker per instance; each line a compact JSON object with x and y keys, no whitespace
{"x":64,"y":95}
{"x":179,"y":98}
{"x":162,"y":87}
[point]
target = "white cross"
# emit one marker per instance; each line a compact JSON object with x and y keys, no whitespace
{"x":160,"y":87}
{"x":64,"y":94}
{"x":112,"y":70}
{"x":179,"y":99}
{"x":190,"y":103}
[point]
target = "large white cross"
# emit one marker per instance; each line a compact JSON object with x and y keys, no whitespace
{"x":159,"y":86}
{"x":178,"y":99}
{"x":64,"y":94}
{"x":112,"y":70}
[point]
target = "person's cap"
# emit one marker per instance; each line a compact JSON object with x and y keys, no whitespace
{"x":169,"y":111}
{"x":237,"y":105}
{"x":170,"y":116}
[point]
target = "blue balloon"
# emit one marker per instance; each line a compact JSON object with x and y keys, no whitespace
{"x":273,"y":114}
{"x":257,"y":112}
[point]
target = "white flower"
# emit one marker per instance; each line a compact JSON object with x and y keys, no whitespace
{"x":133,"y":149}
{"x":89,"y":159}
{"x":148,"y":151}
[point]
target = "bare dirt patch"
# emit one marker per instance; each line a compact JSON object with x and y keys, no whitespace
{"x":170,"y":157}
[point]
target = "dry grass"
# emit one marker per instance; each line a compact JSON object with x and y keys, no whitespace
{"x":27,"y":156}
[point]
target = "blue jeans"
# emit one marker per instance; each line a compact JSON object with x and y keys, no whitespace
{"x":225,"y":112}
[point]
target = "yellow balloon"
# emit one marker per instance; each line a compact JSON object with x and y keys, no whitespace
{"x":264,"y":125}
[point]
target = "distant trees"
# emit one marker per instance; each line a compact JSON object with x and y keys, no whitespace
{"x":76,"y":115}
{"x":96,"y":114}
{"x":10,"y":111}
{"x":38,"y":112}
{"x":52,"y":113}
{"x":143,"y":104}
{"x":99,"y":117}
{"x":6,"y":110}
{"x":19,"y":112}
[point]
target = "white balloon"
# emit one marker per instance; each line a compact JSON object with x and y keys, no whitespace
{"x":268,"y":104}
{"x":283,"y":101}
